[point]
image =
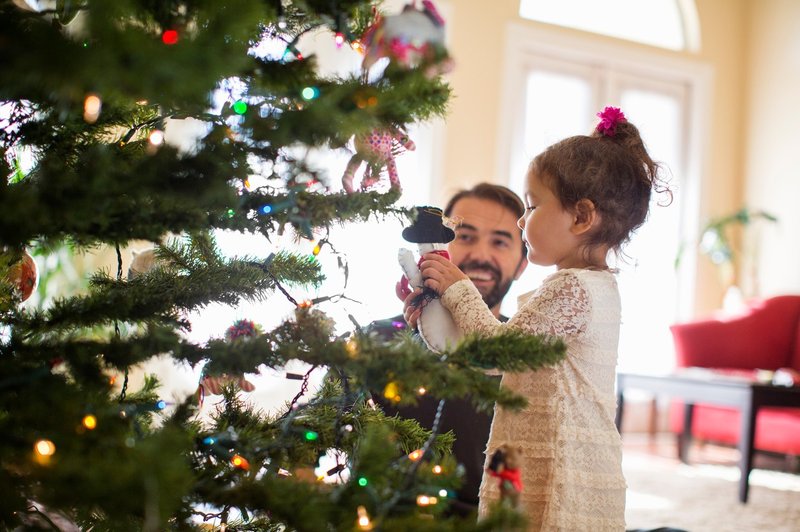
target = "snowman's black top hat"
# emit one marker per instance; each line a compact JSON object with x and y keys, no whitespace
{"x":428,"y":228}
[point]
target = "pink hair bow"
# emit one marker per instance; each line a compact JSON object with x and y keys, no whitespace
{"x":609,"y":118}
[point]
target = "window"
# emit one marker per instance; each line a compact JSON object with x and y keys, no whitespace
{"x":668,"y":24}
{"x":553,"y":86}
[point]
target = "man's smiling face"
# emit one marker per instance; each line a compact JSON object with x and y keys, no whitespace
{"x":487,"y":247}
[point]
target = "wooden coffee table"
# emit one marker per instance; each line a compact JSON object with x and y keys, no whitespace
{"x":699,"y":386}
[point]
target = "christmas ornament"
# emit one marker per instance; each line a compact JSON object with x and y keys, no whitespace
{"x":377,"y":148}
{"x":141,"y":262}
{"x":409,"y":39}
{"x":435,"y":324}
{"x":240,"y":331}
{"x":504,"y":465}
{"x":22,"y":275}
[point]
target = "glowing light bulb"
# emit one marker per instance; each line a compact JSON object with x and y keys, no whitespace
{"x":363,"y":519}
{"x":421,"y":390}
{"x":90,"y":422}
{"x":339,"y":39}
{"x":240,"y":107}
{"x":415,"y":455}
{"x":437,"y":469}
{"x":169,"y":37}
{"x":423,"y":500}
{"x":391,"y":392}
{"x":352,"y":346}
{"x":362,"y":481}
{"x":311,"y":435}
{"x":240,"y":462}
{"x":442,"y":493}
{"x":45,"y":448}
{"x":309,"y":93}
{"x":156,"y":138}
{"x":91,"y":108}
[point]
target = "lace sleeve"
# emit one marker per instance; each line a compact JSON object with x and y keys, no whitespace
{"x":469,"y":311}
{"x":560,"y":307}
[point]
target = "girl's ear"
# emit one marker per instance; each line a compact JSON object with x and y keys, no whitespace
{"x":586,"y":217}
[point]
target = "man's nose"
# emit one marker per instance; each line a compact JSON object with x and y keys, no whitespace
{"x":481,"y":251}
{"x":521,"y":223}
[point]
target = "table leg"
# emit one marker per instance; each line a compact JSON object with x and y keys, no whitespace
{"x":686,"y":436}
{"x":747,"y":432}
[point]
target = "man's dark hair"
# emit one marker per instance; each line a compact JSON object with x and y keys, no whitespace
{"x":496,"y":193}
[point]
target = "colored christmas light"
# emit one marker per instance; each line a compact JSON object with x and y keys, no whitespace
{"x":161,"y":404}
{"x":91,"y":108}
{"x":363,"y":519}
{"x":339,"y":39}
{"x":362,"y":481}
{"x":443,"y":493}
{"x":357,"y":46}
{"x":309,"y":93}
{"x":437,"y":469}
{"x":90,"y":422}
{"x":240,"y":107}
{"x":352,"y":346}
{"x":265,"y":209}
{"x":391,"y":392}
{"x":421,"y":391}
{"x":240,"y":462}
{"x":45,"y":448}
{"x":156,"y":137}
{"x":169,"y":37}
{"x":311,"y":435}
{"x":415,"y":455}
{"x":426,"y":500}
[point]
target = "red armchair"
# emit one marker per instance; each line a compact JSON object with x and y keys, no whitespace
{"x":766,"y":336}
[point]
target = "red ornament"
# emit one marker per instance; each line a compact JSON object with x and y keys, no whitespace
{"x":23,"y":275}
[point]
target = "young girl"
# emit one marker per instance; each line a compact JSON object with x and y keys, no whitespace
{"x":585,"y":195}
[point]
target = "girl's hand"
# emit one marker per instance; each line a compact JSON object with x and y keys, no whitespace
{"x":439,"y":273}
{"x":411,"y":313}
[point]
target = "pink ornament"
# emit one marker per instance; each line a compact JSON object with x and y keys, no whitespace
{"x":377,"y":148}
{"x":408,"y":39}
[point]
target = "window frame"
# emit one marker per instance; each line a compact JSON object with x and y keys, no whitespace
{"x":529,"y":44}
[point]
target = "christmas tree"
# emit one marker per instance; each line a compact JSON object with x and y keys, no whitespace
{"x":87,"y":89}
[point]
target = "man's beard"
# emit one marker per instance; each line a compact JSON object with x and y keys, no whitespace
{"x":500,"y":288}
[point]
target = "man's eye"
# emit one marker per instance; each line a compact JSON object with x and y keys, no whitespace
{"x":501,"y":243}
{"x":464,"y":237}
{"x":530,"y":207}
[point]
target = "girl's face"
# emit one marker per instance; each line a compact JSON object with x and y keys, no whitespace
{"x":548,"y":228}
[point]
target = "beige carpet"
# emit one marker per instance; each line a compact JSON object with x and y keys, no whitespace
{"x":703,"y":496}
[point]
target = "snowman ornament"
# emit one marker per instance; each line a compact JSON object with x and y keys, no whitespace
{"x":435,"y":324}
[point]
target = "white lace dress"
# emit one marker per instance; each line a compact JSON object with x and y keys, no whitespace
{"x":572,"y":453}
